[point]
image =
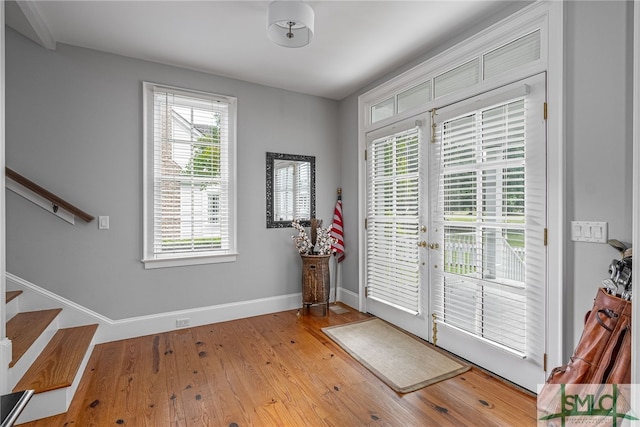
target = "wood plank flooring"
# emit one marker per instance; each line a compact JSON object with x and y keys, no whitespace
{"x":272,"y":370}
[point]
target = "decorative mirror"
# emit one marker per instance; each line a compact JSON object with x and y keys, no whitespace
{"x":291,"y":189}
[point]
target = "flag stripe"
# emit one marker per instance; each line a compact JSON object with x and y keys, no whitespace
{"x":337,"y":231}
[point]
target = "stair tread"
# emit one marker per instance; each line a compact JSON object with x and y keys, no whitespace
{"x":24,"y":328}
{"x":58,"y":364}
{"x":12,"y":295}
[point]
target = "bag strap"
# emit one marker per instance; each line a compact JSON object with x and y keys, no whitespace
{"x":607,"y":312}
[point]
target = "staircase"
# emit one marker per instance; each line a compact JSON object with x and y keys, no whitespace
{"x":45,"y":358}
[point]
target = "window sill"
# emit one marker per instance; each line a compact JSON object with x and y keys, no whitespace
{"x":187,"y":260}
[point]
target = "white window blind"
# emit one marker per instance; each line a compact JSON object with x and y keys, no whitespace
{"x":190,"y":174}
{"x":393,"y":220}
{"x":460,"y":77}
{"x":283,"y":192}
{"x":292,"y":196}
{"x":492,"y":277}
{"x":417,"y":95}
{"x":522,"y":51}
{"x":214,"y":208}
{"x":302,"y":190}
{"x":383,"y":110}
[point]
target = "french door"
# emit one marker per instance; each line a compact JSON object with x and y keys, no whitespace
{"x":396,"y":225}
{"x":456,"y":225}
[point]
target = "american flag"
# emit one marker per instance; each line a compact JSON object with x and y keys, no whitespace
{"x":337,"y":231}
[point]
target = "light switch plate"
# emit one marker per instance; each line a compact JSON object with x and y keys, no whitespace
{"x":103,"y":222}
{"x":589,"y":231}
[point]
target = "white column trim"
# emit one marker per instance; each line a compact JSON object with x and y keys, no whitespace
{"x":635,"y":345}
{"x":5,"y":343}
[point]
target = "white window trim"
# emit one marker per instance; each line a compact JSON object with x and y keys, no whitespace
{"x":149,"y":261}
{"x":548,"y":15}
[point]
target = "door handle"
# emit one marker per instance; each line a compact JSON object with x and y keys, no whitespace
{"x":424,"y":244}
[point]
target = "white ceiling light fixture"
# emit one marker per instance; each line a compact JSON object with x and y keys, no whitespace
{"x":290,"y":23}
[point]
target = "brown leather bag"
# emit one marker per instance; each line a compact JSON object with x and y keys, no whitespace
{"x":604,"y":348}
{"x":603,"y":354}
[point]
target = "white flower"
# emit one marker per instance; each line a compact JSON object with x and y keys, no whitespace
{"x":302,"y":241}
{"x":306,"y":247}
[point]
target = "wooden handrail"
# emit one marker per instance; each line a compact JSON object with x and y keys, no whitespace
{"x":55,"y":200}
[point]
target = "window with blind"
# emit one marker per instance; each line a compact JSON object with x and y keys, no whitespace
{"x":492,"y":278}
{"x":189,"y":169}
{"x":393,"y":220}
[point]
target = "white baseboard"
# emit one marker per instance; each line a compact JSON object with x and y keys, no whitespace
{"x":36,"y":298}
{"x":163,"y":322}
{"x":348,"y":297}
{"x":74,"y":314}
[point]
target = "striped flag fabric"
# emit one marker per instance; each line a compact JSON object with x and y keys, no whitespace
{"x":337,"y":231}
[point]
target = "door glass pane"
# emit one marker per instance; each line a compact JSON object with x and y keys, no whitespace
{"x":393,"y":221}
{"x":482,"y":191}
{"x":460,"y":251}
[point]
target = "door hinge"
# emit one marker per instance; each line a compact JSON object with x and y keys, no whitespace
{"x":434,"y":329}
{"x":545,"y":110}
{"x":546,"y":236}
{"x":544,"y":362}
{"x":366,"y":223}
{"x":366,"y":292}
{"x":365,"y":155}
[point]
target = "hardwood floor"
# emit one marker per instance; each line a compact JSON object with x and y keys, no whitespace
{"x":272,"y":370}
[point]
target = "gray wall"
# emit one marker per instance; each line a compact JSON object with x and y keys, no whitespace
{"x":598,"y":121}
{"x":598,"y":124}
{"x":352,"y":223}
{"x":74,"y":126}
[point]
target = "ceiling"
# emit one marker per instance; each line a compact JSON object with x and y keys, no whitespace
{"x":354,"y":43}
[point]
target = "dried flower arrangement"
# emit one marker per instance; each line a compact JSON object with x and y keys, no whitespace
{"x":321,"y":245}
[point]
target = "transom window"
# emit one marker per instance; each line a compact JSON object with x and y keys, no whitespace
{"x":487,"y":64}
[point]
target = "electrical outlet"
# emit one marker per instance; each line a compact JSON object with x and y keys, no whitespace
{"x":182,"y":323}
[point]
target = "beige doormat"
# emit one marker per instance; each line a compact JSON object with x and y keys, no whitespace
{"x":402,"y":361}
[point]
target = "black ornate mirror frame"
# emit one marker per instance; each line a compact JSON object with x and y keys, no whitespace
{"x":271,"y":158}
